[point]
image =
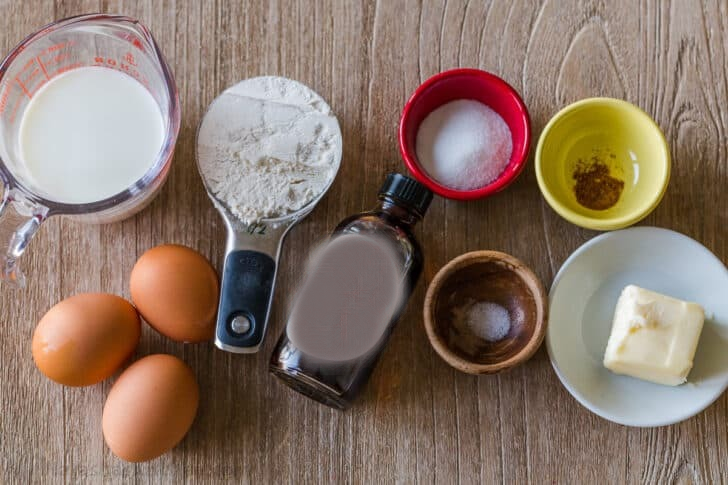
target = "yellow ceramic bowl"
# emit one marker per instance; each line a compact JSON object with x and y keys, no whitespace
{"x":623,"y":136}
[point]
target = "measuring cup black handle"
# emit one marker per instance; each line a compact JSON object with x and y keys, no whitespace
{"x":248,"y":282}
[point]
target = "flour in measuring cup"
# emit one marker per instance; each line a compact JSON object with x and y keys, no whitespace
{"x":267,"y":147}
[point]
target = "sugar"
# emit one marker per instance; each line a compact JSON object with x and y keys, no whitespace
{"x":464,"y":144}
{"x":488,"y":321}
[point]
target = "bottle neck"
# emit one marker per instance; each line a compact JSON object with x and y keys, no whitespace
{"x":397,"y":211}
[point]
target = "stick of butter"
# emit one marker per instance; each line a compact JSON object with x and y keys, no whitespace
{"x":653,"y":337}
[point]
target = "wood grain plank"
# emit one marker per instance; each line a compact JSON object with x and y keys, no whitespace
{"x":574,"y":58}
{"x":688,"y":109}
{"x":418,"y":420}
{"x":83,"y":442}
{"x":32,"y":421}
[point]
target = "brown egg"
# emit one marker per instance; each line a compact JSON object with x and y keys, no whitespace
{"x":150,"y":408}
{"x":85,"y":338}
{"x":176,"y":290}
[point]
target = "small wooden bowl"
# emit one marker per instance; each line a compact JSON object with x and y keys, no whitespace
{"x":485,"y":276}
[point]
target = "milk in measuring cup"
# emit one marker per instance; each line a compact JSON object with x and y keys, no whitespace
{"x":88,"y":134}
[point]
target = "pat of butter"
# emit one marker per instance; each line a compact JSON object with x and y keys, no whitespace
{"x":653,"y":337}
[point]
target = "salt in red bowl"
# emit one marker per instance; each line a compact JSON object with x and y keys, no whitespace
{"x":466,"y":84}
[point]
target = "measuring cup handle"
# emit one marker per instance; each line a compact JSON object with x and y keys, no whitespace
{"x":19,"y":220}
{"x":248,"y":282}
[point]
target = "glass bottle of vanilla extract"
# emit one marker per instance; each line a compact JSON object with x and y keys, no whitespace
{"x":402,"y":204}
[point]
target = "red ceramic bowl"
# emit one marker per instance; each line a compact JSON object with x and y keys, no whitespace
{"x":466,"y":84}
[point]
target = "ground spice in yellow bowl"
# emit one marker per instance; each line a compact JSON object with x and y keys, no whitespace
{"x":623,"y":184}
{"x":596,"y":187}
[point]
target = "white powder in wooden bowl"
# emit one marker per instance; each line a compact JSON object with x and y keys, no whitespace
{"x":488,"y":321}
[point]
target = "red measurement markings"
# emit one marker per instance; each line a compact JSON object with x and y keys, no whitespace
{"x":34,"y":76}
{"x":51,"y":61}
{"x":69,"y":67}
{"x":15,"y":110}
{"x":57,"y":60}
{"x":122,"y":66}
{"x":45,"y":73}
{"x":4,"y":98}
{"x":59,"y":46}
{"x":22,"y":86}
{"x":28,"y":64}
{"x":131,"y":71}
{"x":31,"y":77}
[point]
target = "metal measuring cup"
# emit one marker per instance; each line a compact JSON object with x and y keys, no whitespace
{"x":95,"y":40}
{"x":252,"y":250}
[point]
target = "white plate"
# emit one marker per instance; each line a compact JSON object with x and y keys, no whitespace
{"x":583,"y":297}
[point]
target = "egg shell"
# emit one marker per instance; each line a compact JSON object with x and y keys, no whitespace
{"x":176,"y":290}
{"x":150,"y":408}
{"x":85,"y":338}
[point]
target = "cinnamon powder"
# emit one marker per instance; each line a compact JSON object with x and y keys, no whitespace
{"x":596,"y":188}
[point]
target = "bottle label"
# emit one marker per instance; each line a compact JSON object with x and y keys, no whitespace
{"x":352,"y":289}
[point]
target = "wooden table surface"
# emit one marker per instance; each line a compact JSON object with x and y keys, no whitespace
{"x":418,"y":420}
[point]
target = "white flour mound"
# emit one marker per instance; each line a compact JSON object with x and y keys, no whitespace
{"x":267,"y":147}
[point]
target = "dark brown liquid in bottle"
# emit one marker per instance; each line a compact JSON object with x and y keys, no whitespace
{"x":336,"y":384}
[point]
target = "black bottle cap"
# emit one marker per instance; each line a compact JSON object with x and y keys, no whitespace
{"x":407,"y":192}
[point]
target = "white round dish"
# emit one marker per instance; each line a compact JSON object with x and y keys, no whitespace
{"x":582,"y":301}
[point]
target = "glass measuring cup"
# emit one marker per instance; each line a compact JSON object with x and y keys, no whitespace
{"x":110,"y":41}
